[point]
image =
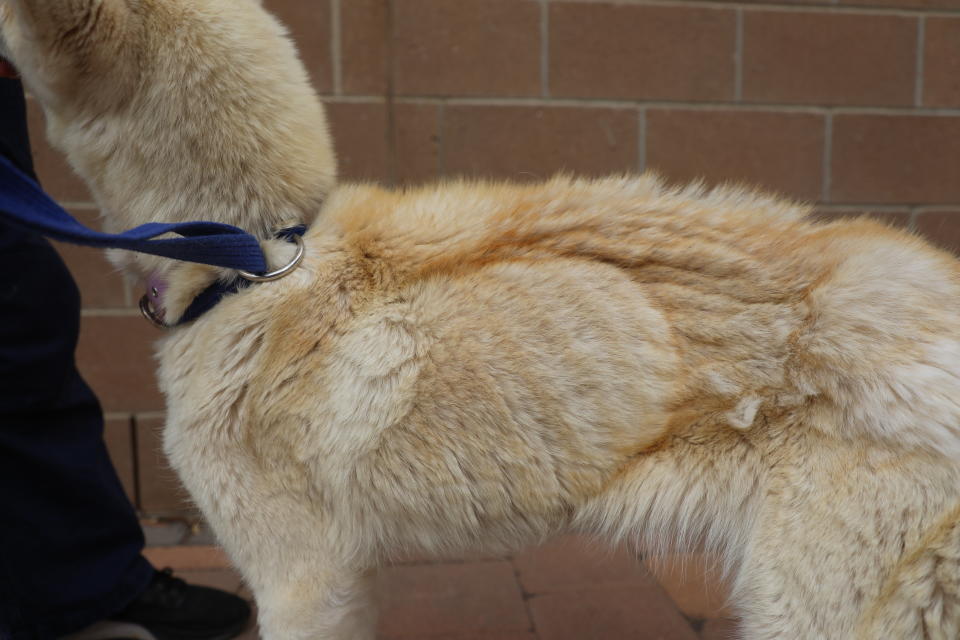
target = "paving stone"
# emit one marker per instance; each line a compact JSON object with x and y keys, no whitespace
{"x":481,"y":597}
{"x":574,"y":563}
{"x":694,"y":584}
{"x":609,"y":614}
{"x":507,"y":635}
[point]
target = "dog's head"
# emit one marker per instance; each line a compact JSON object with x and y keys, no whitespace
{"x":176,"y":110}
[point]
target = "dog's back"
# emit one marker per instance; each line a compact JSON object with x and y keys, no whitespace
{"x":493,"y":363}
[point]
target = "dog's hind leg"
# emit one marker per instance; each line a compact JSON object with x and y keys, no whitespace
{"x":830,"y":535}
{"x":921,"y":598}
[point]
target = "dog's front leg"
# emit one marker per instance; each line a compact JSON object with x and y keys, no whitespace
{"x":309,"y":571}
{"x":307,"y":575}
{"x":329,"y":605}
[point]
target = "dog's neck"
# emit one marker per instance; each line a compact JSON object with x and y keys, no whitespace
{"x":160,"y":177}
{"x":261,"y":169}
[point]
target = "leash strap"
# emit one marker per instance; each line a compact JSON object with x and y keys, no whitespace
{"x":212,"y":295}
{"x":24,"y":204}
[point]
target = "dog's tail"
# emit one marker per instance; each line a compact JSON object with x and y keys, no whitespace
{"x":880,"y":351}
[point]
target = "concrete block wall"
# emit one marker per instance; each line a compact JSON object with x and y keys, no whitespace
{"x":850,"y":104}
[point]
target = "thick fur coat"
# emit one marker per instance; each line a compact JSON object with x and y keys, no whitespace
{"x":480,"y":366}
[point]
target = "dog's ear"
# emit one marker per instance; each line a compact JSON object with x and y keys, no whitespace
{"x":58,"y":45}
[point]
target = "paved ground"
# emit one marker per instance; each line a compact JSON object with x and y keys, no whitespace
{"x":567,"y":590}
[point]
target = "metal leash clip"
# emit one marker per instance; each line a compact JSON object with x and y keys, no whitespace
{"x":282,"y":271}
{"x":150,"y":313}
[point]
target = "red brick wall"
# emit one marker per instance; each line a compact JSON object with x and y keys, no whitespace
{"x":853,"y":104}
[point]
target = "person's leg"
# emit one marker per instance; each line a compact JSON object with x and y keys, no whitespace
{"x":70,"y":540}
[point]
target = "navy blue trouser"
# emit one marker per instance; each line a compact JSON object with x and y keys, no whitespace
{"x":70,"y":541}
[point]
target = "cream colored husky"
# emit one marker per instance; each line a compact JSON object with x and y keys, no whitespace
{"x":479,"y":366}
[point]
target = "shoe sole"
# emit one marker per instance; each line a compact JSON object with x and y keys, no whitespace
{"x":112,"y":631}
{"x":176,"y":634}
{"x":125,"y":631}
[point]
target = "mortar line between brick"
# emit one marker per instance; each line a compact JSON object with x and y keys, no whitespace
{"x":895,"y":206}
{"x":772,"y":6}
{"x":873,"y":208}
{"x":932,"y":208}
{"x":738,"y":59}
{"x":128,"y":284}
{"x":150,"y":415}
{"x":392,"y":159}
{"x":544,"y":49}
{"x":336,"y":47}
{"x":354,"y":99}
{"x":112,"y":313}
{"x":921,"y":37}
{"x":450,"y":561}
{"x":607,"y":103}
{"x":441,"y":148}
{"x":827,"y":158}
{"x":912,"y":220}
{"x":527,"y":597}
{"x":641,"y":139}
{"x":817,"y":109}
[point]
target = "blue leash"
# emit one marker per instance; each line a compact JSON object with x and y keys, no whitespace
{"x":24,"y":204}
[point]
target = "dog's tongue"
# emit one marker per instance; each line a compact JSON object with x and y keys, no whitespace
{"x":7,"y":70}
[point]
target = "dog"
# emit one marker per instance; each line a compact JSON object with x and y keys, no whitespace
{"x":478,"y":366}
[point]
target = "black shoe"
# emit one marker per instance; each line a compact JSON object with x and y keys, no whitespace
{"x":171,"y":609}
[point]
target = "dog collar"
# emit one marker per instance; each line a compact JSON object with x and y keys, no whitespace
{"x":152,"y":303}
